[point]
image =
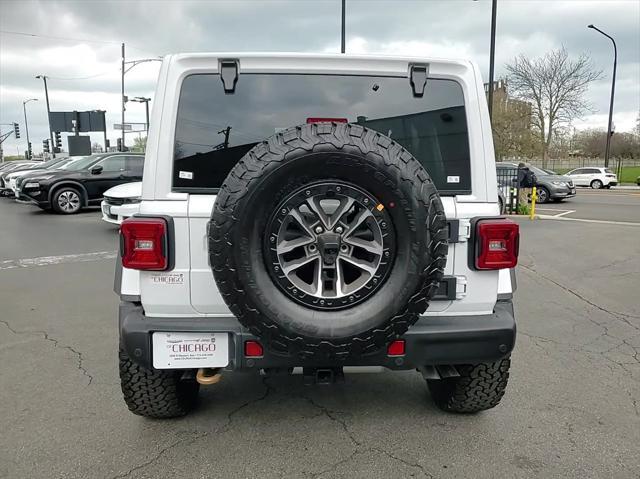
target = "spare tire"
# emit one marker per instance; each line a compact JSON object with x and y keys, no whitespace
{"x":327,"y":241}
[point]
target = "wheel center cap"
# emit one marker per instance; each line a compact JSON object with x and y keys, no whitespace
{"x":329,"y":247}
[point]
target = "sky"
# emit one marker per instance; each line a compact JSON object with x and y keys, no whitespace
{"x":78,"y":45}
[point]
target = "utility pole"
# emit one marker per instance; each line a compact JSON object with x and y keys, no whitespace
{"x":492,"y":55}
{"x":26,"y":125}
{"x":226,"y":133}
{"x":343,"y":44}
{"x":613,"y":92}
{"x":123,"y":98}
{"x":46,"y":95}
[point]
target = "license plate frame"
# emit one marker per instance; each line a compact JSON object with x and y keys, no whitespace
{"x":178,"y":350}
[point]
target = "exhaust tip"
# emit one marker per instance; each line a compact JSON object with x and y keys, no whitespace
{"x":208,"y":376}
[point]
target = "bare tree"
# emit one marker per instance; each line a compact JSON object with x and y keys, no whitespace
{"x":555,"y":86}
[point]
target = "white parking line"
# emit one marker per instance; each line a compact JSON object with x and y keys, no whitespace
{"x":49,"y":260}
{"x":604,"y":222}
{"x":564,"y":212}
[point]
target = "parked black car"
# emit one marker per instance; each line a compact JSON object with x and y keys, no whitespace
{"x":549,"y":186}
{"x":5,"y":176}
{"x":82,"y":182}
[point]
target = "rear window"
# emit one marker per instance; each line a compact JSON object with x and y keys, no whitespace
{"x":215,"y":130}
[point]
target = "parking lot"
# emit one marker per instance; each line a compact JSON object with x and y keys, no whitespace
{"x":572,"y":408}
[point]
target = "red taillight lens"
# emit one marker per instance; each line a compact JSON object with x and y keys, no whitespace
{"x":144,"y":244}
{"x":497,"y":242}
{"x":327,"y":120}
{"x":396,"y":348}
{"x":253,"y":349}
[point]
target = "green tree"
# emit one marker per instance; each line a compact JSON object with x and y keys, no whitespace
{"x":139,"y":144}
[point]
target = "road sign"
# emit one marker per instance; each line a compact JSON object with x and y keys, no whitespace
{"x":127,"y":126}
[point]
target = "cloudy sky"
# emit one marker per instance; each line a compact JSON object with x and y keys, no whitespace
{"x":78,"y":44}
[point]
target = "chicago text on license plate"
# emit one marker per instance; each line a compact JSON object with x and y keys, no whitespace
{"x":190,"y":350}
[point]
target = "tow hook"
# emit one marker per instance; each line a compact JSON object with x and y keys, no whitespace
{"x":207,"y":376}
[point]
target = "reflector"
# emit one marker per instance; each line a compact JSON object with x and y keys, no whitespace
{"x":396,"y":348}
{"x":253,"y":349}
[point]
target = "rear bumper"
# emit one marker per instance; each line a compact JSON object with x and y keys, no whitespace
{"x":442,"y":340}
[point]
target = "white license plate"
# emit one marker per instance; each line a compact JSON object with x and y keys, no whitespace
{"x":190,"y":350}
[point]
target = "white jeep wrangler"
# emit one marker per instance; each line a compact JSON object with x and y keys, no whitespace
{"x":316,"y":212}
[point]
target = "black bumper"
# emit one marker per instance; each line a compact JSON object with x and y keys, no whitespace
{"x":434,"y":341}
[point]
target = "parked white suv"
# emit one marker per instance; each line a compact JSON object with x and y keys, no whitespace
{"x":316,"y":211}
{"x":595,"y":178}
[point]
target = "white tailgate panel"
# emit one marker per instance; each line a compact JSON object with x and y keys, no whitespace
{"x":205,"y":296}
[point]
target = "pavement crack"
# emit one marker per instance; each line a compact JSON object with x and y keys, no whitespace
{"x":56,"y":344}
{"x":268,"y":390}
{"x":616,"y":314}
{"x":157,"y":456}
{"x":359,"y":446}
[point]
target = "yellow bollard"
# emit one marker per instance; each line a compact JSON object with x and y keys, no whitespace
{"x":534,"y":197}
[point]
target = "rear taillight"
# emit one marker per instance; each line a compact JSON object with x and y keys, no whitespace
{"x":496,"y":243}
{"x":144,"y":244}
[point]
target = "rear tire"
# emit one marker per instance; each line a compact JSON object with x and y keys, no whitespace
{"x":479,"y":387}
{"x":156,"y":393}
{"x":596,"y":184}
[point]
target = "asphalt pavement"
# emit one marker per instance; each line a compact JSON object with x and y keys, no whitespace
{"x":602,"y":205}
{"x":572,"y":408}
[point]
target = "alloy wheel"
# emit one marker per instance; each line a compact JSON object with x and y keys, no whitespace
{"x":69,"y":201}
{"x":329,"y":245}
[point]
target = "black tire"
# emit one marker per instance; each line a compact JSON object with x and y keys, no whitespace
{"x":303,"y":156}
{"x":543,"y":194}
{"x":479,"y":387}
{"x":596,"y":184}
{"x":156,"y":393}
{"x":58,"y":205}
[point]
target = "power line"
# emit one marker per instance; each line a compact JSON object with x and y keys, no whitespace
{"x":26,"y":34}
{"x":82,"y":78}
{"x":105,"y":42}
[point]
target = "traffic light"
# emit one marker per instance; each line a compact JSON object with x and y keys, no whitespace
{"x":16,"y":130}
{"x":119,"y":144}
{"x":30,"y":151}
{"x":45,"y":146}
{"x":58,"y":139}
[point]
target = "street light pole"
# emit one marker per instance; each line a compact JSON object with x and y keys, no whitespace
{"x":343,"y":32}
{"x":613,"y":91}
{"x":46,"y":94}
{"x":492,"y":54}
{"x":26,"y":125}
{"x":123,"y":101}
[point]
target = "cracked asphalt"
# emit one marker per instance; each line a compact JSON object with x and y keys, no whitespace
{"x":572,"y":408}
